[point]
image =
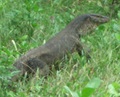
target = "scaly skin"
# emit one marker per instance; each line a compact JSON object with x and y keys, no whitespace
{"x":66,"y":41}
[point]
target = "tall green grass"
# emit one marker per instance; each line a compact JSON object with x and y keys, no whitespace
{"x":28,"y":24}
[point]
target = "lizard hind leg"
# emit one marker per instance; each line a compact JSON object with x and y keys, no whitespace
{"x":34,"y":64}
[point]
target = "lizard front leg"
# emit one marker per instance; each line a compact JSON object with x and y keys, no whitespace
{"x":83,"y":50}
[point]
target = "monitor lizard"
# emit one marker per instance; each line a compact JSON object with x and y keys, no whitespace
{"x":64,"y":42}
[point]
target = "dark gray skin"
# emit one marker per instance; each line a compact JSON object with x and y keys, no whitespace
{"x":66,"y":41}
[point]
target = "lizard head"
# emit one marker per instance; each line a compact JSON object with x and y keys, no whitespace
{"x":85,"y":24}
{"x":90,"y":22}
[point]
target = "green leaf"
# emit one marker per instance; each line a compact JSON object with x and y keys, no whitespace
{"x":116,"y":27}
{"x":86,"y":92}
{"x":94,"y":83}
{"x":74,"y":94}
{"x":112,"y":90}
{"x":90,"y":87}
{"x":118,"y":14}
{"x":24,"y":37}
{"x":99,"y":4}
{"x":117,"y":35}
{"x":116,"y":86}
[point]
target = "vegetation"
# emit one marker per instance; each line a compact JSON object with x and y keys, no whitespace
{"x":26,"y":24}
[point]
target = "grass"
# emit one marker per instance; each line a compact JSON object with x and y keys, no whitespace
{"x":28,"y":24}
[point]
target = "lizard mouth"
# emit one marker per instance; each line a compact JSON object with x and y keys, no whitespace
{"x":99,"y":19}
